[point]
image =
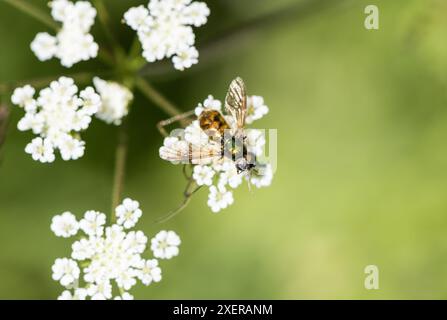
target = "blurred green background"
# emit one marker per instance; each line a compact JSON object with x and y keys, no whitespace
{"x":362,"y":158}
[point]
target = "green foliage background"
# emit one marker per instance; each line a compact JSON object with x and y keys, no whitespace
{"x":362,"y":158}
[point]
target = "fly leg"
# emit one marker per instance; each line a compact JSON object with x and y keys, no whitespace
{"x":181,"y":117}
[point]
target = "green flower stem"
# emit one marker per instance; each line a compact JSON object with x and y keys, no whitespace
{"x":104,"y":18}
{"x":120,"y":169}
{"x":120,"y":159}
{"x":4,"y":121}
{"x":26,"y":7}
{"x":190,"y":190}
{"x":152,"y":94}
{"x":135,"y":48}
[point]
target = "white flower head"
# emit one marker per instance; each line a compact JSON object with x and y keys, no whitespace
{"x":203,"y":175}
{"x":150,"y":272}
{"x":24,"y":97}
{"x":195,"y":135}
{"x":209,"y":103}
{"x":79,"y":294}
{"x":219,"y":198}
{"x":185,"y":58}
{"x":124,"y":296}
{"x":93,"y":223}
{"x":71,"y":148}
{"x":229,"y":175}
{"x":165,"y":29}
{"x":165,"y":245}
{"x":128,"y":213}
{"x":64,"y":225}
{"x":73,"y":43}
{"x":255,"y":141}
{"x":256,"y":109}
{"x":66,"y":271}
{"x":44,"y":46}
{"x":262,"y":177}
{"x":41,"y":150}
{"x":101,"y":290}
{"x":57,"y":116}
{"x":108,"y":256}
{"x":115,"y":101}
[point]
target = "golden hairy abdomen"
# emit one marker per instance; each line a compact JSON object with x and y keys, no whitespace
{"x":213,"y":122}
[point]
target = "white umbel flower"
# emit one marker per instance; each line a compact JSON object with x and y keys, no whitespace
{"x":150,"y":272}
{"x":44,"y":46}
{"x":128,"y":213}
{"x":209,"y":103}
{"x":164,"y":29}
{"x":203,"y":175}
{"x":195,"y":135}
{"x":79,"y":294}
{"x":263,"y":177}
{"x":24,"y":98}
{"x":66,"y":271}
{"x":186,"y":57}
{"x":73,"y":43}
{"x":124,"y":296}
{"x":107,"y":256}
{"x":256,"y":109}
{"x":93,"y":223}
{"x":219,"y":198}
{"x":41,"y":150}
{"x":115,"y":101}
{"x":65,"y":225}
{"x":165,"y":245}
{"x":57,"y":115}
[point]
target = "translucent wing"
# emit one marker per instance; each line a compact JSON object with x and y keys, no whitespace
{"x":236,"y":101}
{"x":181,"y":151}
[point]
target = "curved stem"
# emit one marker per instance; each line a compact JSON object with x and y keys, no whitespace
{"x":191,"y":188}
{"x":152,"y":94}
{"x":4,"y":121}
{"x":104,"y":18}
{"x":33,"y":11}
{"x":120,"y":169}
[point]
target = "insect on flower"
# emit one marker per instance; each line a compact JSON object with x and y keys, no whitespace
{"x":227,"y":138}
{"x":220,"y":149}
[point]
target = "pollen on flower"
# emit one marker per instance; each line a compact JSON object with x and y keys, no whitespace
{"x":108,"y":259}
{"x":73,"y":43}
{"x":57,"y":116}
{"x":165,"y":29}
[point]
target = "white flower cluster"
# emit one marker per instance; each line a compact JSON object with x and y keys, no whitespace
{"x":73,"y":43}
{"x":115,"y":101}
{"x":165,"y":29}
{"x":56,"y":116}
{"x":106,"y":262}
{"x":221,"y":176}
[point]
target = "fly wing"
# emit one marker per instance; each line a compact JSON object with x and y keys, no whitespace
{"x":184,"y":152}
{"x":236,"y":101}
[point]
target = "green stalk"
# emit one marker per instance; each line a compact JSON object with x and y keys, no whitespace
{"x":104,"y":18}
{"x":152,"y":94}
{"x":120,"y":169}
{"x":33,"y":11}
